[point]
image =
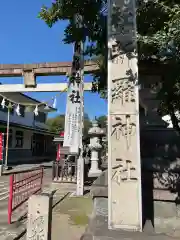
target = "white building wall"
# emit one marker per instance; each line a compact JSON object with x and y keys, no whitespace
{"x":27,"y":120}
{"x":19,"y":154}
{"x":26,"y":140}
{"x":40,"y":125}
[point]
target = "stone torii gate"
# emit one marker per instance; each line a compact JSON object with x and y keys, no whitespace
{"x":31,"y":71}
{"x":119,"y":179}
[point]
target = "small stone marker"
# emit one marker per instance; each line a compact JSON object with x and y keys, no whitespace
{"x":39,"y":217}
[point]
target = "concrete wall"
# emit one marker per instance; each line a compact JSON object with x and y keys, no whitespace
{"x":160,"y":144}
{"x":160,"y":154}
{"x":161,"y":205}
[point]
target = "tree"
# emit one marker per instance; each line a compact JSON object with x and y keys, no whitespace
{"x":87,"y":125}
{"x":93,"y":30}
{"x":56,"y":124}
{"x":102,"y":121}
{"x":158,"y":40}
{"x":159,"y":44}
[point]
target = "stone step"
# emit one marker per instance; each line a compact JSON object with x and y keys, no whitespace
{"x":23,"y":208}
{"x":98,"y":230}
{"x":3,"y":204}
{"x":15,"y":231}
{"x":16,"y":215}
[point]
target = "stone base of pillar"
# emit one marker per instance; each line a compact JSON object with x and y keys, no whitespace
{"x":94,"y":173}
{"x":98,"y":230}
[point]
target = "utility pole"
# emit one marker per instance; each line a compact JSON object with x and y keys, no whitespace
{"x":7,"y":138}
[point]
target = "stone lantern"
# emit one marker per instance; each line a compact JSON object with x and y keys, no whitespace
{"x":95,"y":133}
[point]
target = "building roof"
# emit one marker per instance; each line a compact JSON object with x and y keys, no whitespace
{"x":24,"y":99}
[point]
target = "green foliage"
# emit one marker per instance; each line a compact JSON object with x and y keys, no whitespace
{"x":78,"y":209}
{"x":102,"y":120}
{"x":87,"y":125}
{"x":93,"y":30}
{"x":159,"y":43}
{"x":56,"y":124}
{"x":158,"y":25}
{"x":158,"y":30}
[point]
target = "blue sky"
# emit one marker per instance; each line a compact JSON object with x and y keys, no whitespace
{"x":26,"y":39}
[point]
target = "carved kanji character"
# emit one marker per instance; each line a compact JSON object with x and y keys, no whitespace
{"x":75,"y":96}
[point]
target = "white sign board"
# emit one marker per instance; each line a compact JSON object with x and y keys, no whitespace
{"x":73,"y":118}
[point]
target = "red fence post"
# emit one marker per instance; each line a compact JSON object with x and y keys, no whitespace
{"x":10,"y":201}
{"x":32,"y":179}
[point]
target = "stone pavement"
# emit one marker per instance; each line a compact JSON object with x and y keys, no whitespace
{"x":70,"y":214}
{"x":98,"y":230}
{"x":4,"y":193}
{"x":14,"y":231}
{"x":66,"y":231}
{"x":60,"y":221}
{"x":70,"y":218}
{"x":65,"y":223}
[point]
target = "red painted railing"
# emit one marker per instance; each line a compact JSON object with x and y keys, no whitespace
{"x":22,"y":186}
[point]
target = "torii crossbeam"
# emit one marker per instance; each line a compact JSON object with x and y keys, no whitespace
{"x":31,"y":71}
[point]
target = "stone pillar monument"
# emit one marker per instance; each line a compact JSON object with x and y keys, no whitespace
{"x":124,"y":167}
{"x":39,"y":222}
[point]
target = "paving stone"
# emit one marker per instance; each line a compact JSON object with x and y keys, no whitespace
{"x":98,"y":230}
